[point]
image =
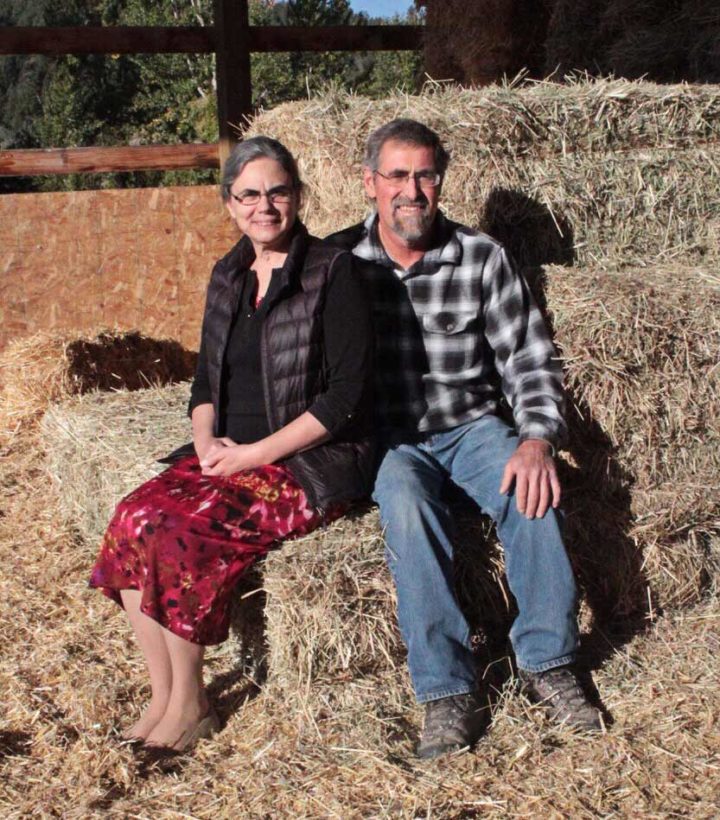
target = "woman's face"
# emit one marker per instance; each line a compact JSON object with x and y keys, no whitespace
{"x":267,"y":222}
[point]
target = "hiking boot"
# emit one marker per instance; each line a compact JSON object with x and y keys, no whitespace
{"x":451,"y":724}
{"x":560,"y":693}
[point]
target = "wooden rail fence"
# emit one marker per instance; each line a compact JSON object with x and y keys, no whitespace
{"x":232,"y":39}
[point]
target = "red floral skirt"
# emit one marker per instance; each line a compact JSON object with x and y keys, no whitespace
{"x":185,"y":540}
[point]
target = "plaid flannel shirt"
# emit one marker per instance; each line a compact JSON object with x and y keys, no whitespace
{"x":456,"y":332}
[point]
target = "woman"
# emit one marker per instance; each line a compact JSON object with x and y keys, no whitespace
{"x":279,"y":407}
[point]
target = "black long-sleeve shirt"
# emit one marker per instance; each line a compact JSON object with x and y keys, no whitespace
{"x":346,"y":329}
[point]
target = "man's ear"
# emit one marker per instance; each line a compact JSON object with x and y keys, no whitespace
{"x":369,"y":182}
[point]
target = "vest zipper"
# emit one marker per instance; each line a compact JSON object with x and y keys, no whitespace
{"x":271,"y":410}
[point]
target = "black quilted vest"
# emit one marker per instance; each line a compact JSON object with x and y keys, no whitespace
{"x":293,"y":365}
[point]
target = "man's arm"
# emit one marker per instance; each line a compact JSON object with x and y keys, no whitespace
{"x":531,"y":378}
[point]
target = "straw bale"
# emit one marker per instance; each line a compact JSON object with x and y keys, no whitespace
{"x":606,"y":171}
{"x":665,"y":42}
{"x":100,"y":446}
{"x":497,"y":38}
{"x":330,"y":609}
{"x":654,"y":39}
{"x":641,"y":353}
{"x":39,"y":370}
{"x":640,"y":476}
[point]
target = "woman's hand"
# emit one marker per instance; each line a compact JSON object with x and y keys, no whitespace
{"x":227,"y":459}
{"x":207,"y":445}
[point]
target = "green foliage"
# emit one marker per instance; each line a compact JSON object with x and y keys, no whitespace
{"x":164,"y":98}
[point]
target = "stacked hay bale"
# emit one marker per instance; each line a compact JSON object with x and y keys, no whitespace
{"x":654,"y":39}
{"x":661,"y":41}
{"x":608,"y":175}
{"x":101,"y":445}
{"x":605,"y":172}
{"x":621,"y":178}
{"x":39,"y":370}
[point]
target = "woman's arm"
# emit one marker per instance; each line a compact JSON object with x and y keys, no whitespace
{"x":302,"y":433}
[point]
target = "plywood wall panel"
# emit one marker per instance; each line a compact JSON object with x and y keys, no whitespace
{"x":132,"y":259}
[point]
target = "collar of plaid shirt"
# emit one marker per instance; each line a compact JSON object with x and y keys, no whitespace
{"x":446,"y":248}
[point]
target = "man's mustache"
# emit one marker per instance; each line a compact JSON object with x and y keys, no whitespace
{"x":405,"y":200}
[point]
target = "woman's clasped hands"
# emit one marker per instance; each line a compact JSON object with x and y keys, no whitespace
{"x":223,"y":457}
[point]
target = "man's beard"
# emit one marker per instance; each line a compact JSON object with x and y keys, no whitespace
{"x":411,"y":227}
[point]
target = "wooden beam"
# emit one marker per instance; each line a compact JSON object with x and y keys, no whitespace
{"x":106,"y":40}
{"x":335,"y":38}
{"x":199,"y":40}
{"x":92,"y":160}
{"x":232,"y":70}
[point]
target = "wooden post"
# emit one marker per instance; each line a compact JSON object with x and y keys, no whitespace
{"x":232,"y":70}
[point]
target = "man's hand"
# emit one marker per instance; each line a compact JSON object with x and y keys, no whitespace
{"x":532,"y":469}
{"x":232,"y":458}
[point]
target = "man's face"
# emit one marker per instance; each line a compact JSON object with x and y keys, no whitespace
{"x":408,"y":210}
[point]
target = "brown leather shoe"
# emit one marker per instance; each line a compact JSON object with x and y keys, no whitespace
{"x":560,"y":693}
{"x":451,"y":724}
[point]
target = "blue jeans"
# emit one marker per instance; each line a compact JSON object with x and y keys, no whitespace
{"x":419,"y":553}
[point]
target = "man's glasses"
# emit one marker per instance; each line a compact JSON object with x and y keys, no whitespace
{"x":278,"y":196}
{"x":399,"y":179}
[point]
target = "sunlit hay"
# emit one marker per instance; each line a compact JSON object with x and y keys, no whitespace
{"x":640,"y":481}
{"x":331,"y":604}
{"x":643,"y":471}
{"x":100,"y":446}
{"x":607,"y":171}
{"x":38,"y":370}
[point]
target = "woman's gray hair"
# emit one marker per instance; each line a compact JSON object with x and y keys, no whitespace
{"x":411,"y":132}
{"x":257,"y":148}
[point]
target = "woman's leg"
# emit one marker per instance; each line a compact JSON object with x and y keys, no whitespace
{"x":152,"y":642}
{"x":188,"y":703}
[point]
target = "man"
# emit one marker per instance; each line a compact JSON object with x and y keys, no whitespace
{"x":456,"y":331}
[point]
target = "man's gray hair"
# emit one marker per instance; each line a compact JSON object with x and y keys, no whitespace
{"x":257,"y":148}
{"x":409,"y":131}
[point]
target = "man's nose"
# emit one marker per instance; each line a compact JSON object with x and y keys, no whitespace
{"x":412,"y":187}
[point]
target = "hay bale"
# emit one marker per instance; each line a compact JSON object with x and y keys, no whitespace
{"x":643,"y":473}
{"x":640,"y":476}
{"x":39,"y":370}
{"x":100,"y":446}
{"x":497,"y":38}
{"x":331,"y":603}
{"x":604,"y":172}
{"x":641,"y":488}
{"x":664,"y":42}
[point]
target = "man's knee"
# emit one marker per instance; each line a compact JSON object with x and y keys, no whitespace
{"x":403,"y":481}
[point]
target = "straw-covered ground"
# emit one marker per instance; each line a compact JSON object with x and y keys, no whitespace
{"x":620,"y":178}
{"x":70,"y":673}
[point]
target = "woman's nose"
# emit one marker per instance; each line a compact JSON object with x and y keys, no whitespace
{"x":265,"y":203}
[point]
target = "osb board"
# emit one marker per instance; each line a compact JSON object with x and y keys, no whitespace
{"x":132,"y":259}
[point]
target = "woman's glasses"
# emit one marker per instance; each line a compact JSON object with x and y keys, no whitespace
{"x":277,"y":196}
